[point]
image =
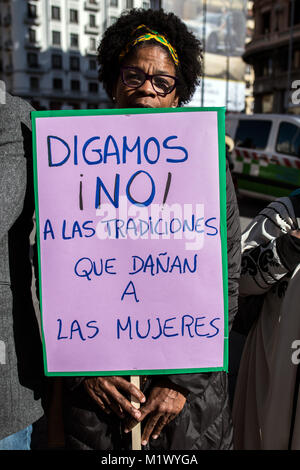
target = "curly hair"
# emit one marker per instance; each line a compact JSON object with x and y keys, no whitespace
{"x":187,"y":46}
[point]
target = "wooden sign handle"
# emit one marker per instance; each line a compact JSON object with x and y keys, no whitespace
{"x":136,"y":431}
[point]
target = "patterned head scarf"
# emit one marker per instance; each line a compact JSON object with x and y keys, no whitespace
{"x":150,"y":34}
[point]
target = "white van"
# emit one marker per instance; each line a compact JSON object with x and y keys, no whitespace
{"x":266,"y":154}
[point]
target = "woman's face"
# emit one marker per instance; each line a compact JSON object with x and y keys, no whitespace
{"x":152,"y":60}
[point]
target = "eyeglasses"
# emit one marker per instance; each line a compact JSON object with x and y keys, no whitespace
{"x":162,"y":84}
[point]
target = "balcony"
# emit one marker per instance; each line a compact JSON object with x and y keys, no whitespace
{"x":8,"y":45}
{"x":7,"y":20}
{"x":36,"y":68}
{"x":93,"y":6}
{"x":32,"y":20}
{"x":270,"y":41}
{"x":8,"y":69}
{"x":91,"y":74}
{"x":88,"y":29}
{"x":32,"y":44}
{"x":90,"y":51}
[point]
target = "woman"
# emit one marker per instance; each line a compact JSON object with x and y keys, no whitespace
{"x":149,"y":59}
{"x":266,"y":405}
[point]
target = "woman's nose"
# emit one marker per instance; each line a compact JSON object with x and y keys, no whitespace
{"x":147,"y":87}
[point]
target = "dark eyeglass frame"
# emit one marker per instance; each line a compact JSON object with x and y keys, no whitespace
{"x":148,"y":77}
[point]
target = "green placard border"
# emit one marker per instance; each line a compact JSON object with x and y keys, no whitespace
{"x":223,"y":228}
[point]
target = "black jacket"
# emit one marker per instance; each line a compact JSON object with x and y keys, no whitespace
{"x":204,"y":422}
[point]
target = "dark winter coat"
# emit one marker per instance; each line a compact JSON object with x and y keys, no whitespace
{"x":205,"y":420}
{"x":21,"y":371}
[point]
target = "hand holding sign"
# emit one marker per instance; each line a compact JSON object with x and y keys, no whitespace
{"x":108,"y":394}
{"x":165,"y":402}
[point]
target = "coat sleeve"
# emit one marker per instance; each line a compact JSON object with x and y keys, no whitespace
{"x":269,"y":251}
{"x":192,"y":382}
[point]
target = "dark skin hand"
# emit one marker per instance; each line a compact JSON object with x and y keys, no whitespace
{"x":108,"y":393}
{"x":165,"y":402}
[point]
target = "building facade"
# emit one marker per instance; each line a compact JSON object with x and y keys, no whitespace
{"x":274,"y":53}
{"x":48,"y":49}
{"x":221,"y":26}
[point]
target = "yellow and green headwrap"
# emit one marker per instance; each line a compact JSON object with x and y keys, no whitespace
{"x":146,"y":37}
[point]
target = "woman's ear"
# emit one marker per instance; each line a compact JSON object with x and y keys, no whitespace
{"x":114,"y":92}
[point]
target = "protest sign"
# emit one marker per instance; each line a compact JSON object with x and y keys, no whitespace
{"x":131,"y":225}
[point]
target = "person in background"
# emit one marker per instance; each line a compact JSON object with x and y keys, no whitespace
{"x":21,"y":371}
{"x":148,"y":59}
{"x":266,"y":401}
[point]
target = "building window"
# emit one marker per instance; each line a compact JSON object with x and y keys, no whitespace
{"x":55,"y":105}
{"x":296,"y":61}
{"x":92,"y":21}
{"x":92,"y":64}
{"x":31,"y":10}
{"x":32,"y":35}
{"x":282,"y":62}
{"x":266,"y":22}
{"x":92,"y":44}
{"x":113,"y":3}
{"x":112,"y":20}
{"x":75,"y":85}
{"x":10,"y":61}
{"x":267,"y":102}
{"x":74,"y":63}
{"x":73,"y":16}
{"x":56,"y":60}
{"x":146,"y":5}
{"x":129,"y":3}
{"x":268,"y":67}
{"x":55,"y":13}
{"x":57,"y":84}
{"x":32,"y":59}
{"x":34,"y":83}
{"x":72,"y":105}
{"x":74,"y":41}
{"x":56,"y":38}
{"x":296,"y":13}
{"x":36,"y":105}
{"x":93,"y":87}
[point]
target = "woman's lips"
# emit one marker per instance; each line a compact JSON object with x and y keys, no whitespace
{"x":139,"y":105}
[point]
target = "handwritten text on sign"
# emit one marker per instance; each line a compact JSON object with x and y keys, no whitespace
{"x":130,"y":246}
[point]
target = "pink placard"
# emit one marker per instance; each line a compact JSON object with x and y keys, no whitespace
{"x":130,"y":246}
